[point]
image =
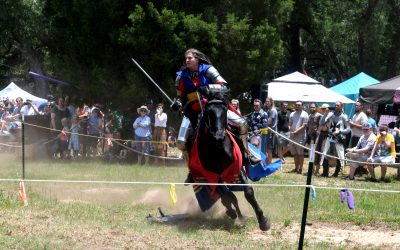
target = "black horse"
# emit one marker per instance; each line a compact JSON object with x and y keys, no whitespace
{"x":217,"y":157}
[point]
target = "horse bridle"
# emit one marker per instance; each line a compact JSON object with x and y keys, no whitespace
{"x":214,"y":101}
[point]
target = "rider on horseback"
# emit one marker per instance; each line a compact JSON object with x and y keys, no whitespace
{"x":196,"y":76}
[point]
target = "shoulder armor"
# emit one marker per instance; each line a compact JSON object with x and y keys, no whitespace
{"x":177,"y":79}
{"x":214,"y":75}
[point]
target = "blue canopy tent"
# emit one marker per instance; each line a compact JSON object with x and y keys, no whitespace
{"x":351,"y":89}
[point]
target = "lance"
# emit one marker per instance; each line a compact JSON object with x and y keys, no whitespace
{"x":48,"y":78}
{"x":151,"y":79}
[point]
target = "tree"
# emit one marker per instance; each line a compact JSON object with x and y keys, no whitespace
{"x":22,"y":29}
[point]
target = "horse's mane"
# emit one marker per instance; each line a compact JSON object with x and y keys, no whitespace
{"x":219,"y":95}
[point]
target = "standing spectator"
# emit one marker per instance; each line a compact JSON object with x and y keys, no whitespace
{"x":69,"y":102}
{"x":283,"y":129}
{"x":338,"y":124}
{"x":74,"y":137}
{"x":258,"y":120}
{"x":95,"y":129}
{"x":384,"y":148}
{"x":142,"y":127}
{"x":28,"y":108}
{"x":297,"y":126}
{"x":17,"y":107}
{"x":313,"y":124}
{"x":83,"y":115}
{"x":362,"y":150}
{"x":313,"y":128}
{"x":160,"y":133}
{"x":371,"y":120}
{"x":356,"y":123}
{"x":58,"y":112}
{"x":235,"y":103}
{"x":64,"y":138}
{"x":322,"y":135}
{"x":272,"y":123}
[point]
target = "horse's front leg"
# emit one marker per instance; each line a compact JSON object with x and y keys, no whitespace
{"x":251,"y":198}
{"x":228,"y":199}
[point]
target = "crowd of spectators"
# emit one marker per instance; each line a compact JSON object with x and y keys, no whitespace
{"x":80,"y":131}
{"x":333,"y":134}
{"x":88,"y":131}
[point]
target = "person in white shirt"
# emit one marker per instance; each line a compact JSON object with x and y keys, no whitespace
{"x":297,"y":126}
{"x":160,"y":133}
{"x":356,"y":123}
{"x":28,"y":108}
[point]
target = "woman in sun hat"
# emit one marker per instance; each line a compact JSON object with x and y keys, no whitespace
{"x":142,"y":128}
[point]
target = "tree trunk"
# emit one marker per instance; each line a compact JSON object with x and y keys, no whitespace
{"x":365,"y":18}
{"x":41,"y":87}
{"x":393,"y":54}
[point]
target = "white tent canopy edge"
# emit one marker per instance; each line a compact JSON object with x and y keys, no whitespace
{"x":12,"y":91}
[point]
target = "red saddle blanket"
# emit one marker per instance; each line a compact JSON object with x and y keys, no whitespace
{"x":202,"y":175}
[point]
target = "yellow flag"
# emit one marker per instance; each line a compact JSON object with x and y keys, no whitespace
{"x":172,"y":194}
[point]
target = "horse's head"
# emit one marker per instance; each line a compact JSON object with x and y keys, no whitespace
{"x":215,"y":116}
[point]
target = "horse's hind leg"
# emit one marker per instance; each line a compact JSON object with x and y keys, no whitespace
{"x":251,"y":198}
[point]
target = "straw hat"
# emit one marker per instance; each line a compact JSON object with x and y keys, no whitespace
{"x":143,"y":107}
{"x":325,"y":106}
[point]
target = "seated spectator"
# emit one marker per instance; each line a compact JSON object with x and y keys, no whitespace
{"x":7,"y":120}
{"x":383,"y":152}
{"x":362,"y":150}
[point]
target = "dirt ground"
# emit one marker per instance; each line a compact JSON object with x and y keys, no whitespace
{"x":347,"y":235}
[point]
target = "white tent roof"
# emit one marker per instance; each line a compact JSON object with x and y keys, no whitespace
{"x":295,"y":77}
{"x":12,"y":91}
{"x":297,"y":86}
{"x":283,"y":91}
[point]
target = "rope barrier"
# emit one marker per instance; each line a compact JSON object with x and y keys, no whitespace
{"x":92,"y":136}
{"x":200,"y":184}
{"x":142,"y":153}
{"x":117,"y":141}
{"x":10,"y":145}
{"x":397,"y":165}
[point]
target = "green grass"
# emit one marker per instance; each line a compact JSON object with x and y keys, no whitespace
{"x":113,"y":216}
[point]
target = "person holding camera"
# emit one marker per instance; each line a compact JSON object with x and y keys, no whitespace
{"x":383,"y":152}
{"x":28,"y":108}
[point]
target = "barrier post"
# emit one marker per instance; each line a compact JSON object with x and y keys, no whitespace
{"x":23,"y":147}
{"x":307,"y":194}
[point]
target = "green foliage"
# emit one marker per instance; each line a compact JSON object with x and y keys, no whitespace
{"x":89,"y":43}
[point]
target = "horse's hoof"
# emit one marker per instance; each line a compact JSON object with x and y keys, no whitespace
{"x":264,"y":224}
{"x":231,"y":213}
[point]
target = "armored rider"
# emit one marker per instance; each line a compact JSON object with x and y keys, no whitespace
{"x":197,"y":74}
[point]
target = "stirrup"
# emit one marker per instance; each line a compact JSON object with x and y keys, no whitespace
{"x":253,"y":160}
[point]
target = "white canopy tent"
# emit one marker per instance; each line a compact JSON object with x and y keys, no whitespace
{"x":12,"y":91}
{"x":296,"y":86}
